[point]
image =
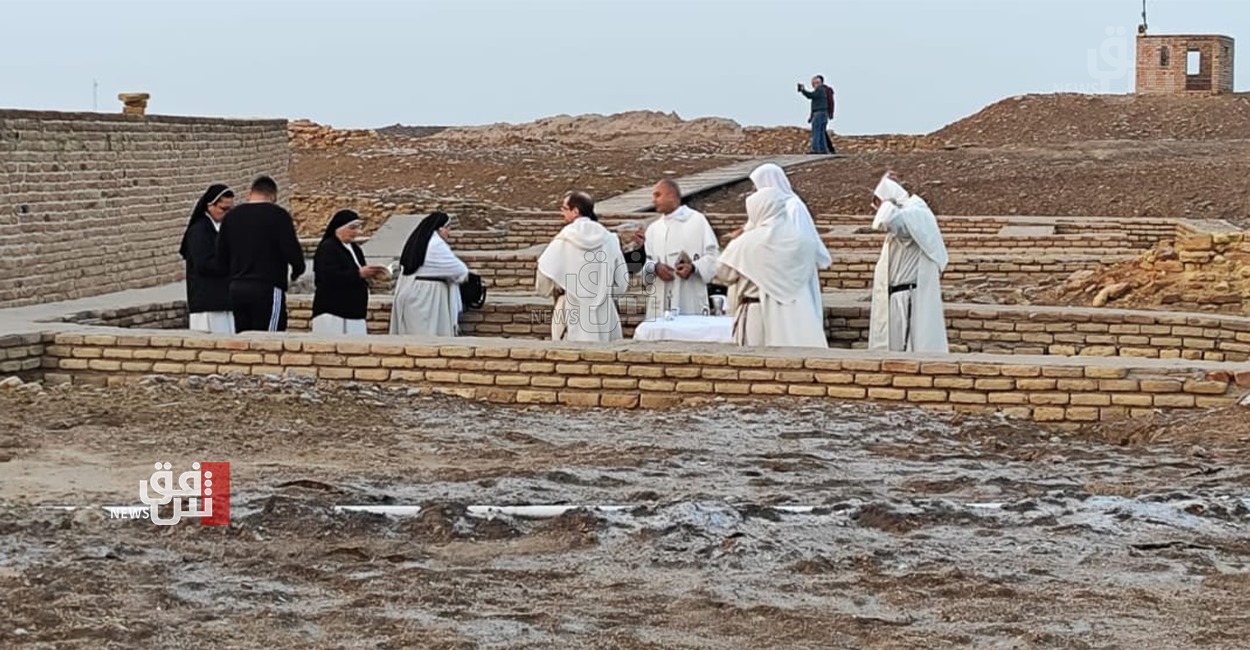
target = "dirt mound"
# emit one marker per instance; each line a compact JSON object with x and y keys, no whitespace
{"x":1199,"y":273}
{"x":633,"y":129}
{"x":1062,"y":118}
{"x":406,"y":131}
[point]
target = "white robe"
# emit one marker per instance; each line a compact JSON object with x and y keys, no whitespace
{"x":682,"y":231}
{"x":772,"y":175}
{"x":909,"y":320}
{"x":331,"y":324}
{"x":584,"y":262}
{"x":427,"y":303}
{"x":212,"y":322}
{"x":775,"y":258}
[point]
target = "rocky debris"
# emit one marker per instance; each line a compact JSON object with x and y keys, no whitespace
{"x":632,"y":129}
{"x":406,"y":131}
{"x":1161,"y":179}
{"x":312,"y":211}
{"x":284,"y":387}
{"x":1111,"y":292}
{"x":1036,"y":154}
{"x":15,"y":383}
{"x":306,"y":134}
{"x":1204,"y":272}
{"x":1027,"y":120}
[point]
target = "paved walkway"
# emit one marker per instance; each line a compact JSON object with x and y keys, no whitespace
{"x":639,"y":200}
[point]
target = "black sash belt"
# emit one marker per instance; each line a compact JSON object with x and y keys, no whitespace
{"x":749,"y":301}
{"x":902,"y":287}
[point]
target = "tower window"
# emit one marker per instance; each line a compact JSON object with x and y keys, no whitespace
{"x":1164,"y":58}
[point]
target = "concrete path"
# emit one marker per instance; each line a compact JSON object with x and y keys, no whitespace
{"x":639,"y":200}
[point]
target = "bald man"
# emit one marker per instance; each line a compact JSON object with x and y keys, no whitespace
{"x":681,"y":255}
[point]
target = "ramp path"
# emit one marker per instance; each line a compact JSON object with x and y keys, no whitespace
{"x":639,"y":200}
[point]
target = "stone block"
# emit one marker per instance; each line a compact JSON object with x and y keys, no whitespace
{"x":618,"y":400}
{"x":891,"y":394}
{"x":1049,"y":414}
{"x":1089,"y":399}
{"x":926,"y":395}
{"x":562,"y":355}
{"x":1161,"y":386}
{"x":959,"y":383}
{"x":658,"y":400}
{"x":844,"y":392}
{"x":537,"y":397}
{"x":1174,"y":401}
{"x":739,"y":361}
{"x":912,"y":381}
{"x":421,"y":350}
{"x":939,"y":368}
{"x":1131,"y":399}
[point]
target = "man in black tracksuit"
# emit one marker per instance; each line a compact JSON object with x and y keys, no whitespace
{"x":258,"y":242}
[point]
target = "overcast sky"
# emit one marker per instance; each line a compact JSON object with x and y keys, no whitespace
{"x":903,"y":66}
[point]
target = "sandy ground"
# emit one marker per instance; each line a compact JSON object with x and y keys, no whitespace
{"x":930,"y":531}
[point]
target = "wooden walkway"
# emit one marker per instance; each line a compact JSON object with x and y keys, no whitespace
{"x":639,"y":200}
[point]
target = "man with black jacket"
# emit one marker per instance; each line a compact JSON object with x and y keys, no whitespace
{"x":258,"y":242}
{"x":820,"y":115}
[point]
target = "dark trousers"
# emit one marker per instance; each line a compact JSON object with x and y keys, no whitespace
{"x":258,"y":307}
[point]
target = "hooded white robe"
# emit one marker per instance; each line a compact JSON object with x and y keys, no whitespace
{"x":427,"y":303}
{"x":913,"y":252}
{"x":585,"y":268}
{"x":682,"y":231}
{"x":771,"y":175}
{"x":775,"y":258}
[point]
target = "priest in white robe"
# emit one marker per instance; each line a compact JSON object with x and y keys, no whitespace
{"x":584,"y":270}
{"x":907,"y":312}
{"x":769,"y":270}
{"x":681,"y":252}
{"x":427,"y":292}
{"x":770,"y":175}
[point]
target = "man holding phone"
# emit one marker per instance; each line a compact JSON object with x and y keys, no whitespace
{"x":821,"y":113}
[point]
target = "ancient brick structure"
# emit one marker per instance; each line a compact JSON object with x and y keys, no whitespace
{"x":1180,"y":64}
{"x":1072,"y":390}
{"x":93,"y":203}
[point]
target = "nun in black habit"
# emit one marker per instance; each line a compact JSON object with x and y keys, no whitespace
{"x":427,"y":295}
{"x":340,"y":274}
{"x":208,"y":280}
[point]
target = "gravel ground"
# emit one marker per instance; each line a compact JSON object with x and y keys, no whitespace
{"x":927,"y":529}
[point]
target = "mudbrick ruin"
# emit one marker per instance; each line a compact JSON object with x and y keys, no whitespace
{"x":1072,"y":474}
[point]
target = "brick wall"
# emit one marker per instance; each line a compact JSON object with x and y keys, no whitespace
{"x":1162,"y":64}
{"x":156,"y":315}
{"x":990,"y":329}
{"x":22,"y":354}
{"x":1071,"y":390}
{"x":92,"y":203}
{"x":523,"y":230}
{"x":515,"y":271}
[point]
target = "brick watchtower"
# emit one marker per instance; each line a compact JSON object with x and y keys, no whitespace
{"x":1184,"y":64}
